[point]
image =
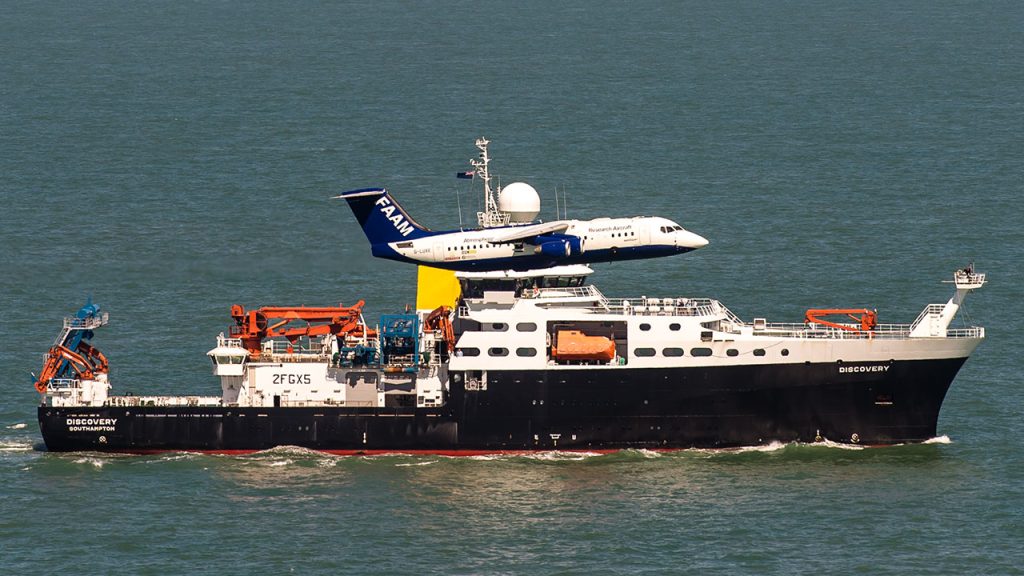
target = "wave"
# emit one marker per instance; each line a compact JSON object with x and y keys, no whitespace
{"x":95,"y":461}
{"x":18,"y":426}
{"x":16,"y":445}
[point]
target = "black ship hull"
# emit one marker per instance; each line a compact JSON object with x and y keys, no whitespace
{"x":585,"y":408}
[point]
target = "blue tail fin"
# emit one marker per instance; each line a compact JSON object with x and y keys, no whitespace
{"x":382,"y":218}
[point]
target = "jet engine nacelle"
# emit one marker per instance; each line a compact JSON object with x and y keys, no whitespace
{"x":559,"y":245}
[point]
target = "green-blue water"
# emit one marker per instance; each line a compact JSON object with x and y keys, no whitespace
{"x":171,"y":159}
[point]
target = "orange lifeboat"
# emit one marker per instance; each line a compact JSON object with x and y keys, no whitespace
{"x":575,"y":345}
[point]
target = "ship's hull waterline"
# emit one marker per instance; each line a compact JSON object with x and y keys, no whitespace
{"x":579,"y":409}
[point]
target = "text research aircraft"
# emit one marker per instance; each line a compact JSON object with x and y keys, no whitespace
{"x":394,"y":235}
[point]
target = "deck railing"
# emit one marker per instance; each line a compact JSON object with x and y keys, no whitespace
{"x":134,"y":401}
{"x":715,"y":310}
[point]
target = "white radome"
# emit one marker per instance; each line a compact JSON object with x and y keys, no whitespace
{"x":520,"y":201}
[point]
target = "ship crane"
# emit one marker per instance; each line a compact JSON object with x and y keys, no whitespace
{"x":867,"y":319}
{"x":254,"y":326}
{"x":72,"y":356}
{"x":86,"y":363}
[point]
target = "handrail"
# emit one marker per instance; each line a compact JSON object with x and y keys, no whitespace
{"x":929,"y":311}
{"x":76,"y":323}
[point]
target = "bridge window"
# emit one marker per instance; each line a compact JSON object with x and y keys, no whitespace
{"x":645,"y":352}
{"x":526,"y":327}
{"x":672,"y":352}
{"x":700,"y":351}
{"x":497,"y":351}
{"x":526,"y":352}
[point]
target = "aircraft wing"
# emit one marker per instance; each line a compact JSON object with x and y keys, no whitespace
{"x":518,"y":233}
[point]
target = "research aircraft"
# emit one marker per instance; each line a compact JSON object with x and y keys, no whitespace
{"x":395,"y":235}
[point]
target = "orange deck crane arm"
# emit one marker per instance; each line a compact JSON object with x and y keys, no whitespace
{"x":867,"y":319}
{"x":79,"y":362}
{"x":440,"y":319}
{"x":253,"y":326}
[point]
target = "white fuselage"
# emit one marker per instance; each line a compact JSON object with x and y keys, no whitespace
{"x":596,"y":237}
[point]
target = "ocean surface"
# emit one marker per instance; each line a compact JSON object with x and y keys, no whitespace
{"x":170,"y":159}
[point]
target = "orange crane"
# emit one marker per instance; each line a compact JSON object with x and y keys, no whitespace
{"x":253,"y":326}
{"x":867,"y":319}
{"x":86,"y":361}
{"x":439,"y":320}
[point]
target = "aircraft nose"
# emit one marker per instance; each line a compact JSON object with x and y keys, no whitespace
{"x":687,"y":239}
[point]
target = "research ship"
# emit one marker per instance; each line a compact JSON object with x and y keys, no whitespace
{"x":494,"y":361}
{"x":524,"y":362}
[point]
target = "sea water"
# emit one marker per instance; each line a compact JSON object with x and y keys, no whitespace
{"x":172,"y":159}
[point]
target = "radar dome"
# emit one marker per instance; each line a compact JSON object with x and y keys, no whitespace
{"x":520,"y":201}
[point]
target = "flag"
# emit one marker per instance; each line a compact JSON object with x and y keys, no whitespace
{"x":465,"y":175}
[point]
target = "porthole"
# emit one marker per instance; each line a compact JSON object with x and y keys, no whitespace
{"x":700,"y":352}
{"x":759,"y":352}
{"x":526,"y":352}
{"x":499,"y":327}
{"x":644,"y":352}
{"x":526,"y":327}
{"x":672,"y":352}
{"x":497,"y":351}
{"x":674,"y":327}
{"x":732,"y":352}
{"x":785,"y":352}
{"x":467,"y":351}
{"x":645,"y":327}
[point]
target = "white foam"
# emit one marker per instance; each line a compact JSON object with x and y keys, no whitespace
{"x":773,"y":446}
{"x":97,"y":462}
{"x":424,"y":463}
{"x":939,"y":440}
{"x":559,"y":455}
{"x":547,"y":456}
{"x":17,"y":426}
{"x":16,"y":446}
{"x":284,"y":462}
{"x":840,"y":445}
{"x":173,"y":456}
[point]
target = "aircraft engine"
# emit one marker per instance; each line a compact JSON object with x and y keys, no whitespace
{"x":559,"y":246}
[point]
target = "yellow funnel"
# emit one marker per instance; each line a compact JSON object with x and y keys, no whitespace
{"x":436,"y":287}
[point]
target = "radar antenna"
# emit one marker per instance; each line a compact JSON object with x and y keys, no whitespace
{"x":491,"y":216}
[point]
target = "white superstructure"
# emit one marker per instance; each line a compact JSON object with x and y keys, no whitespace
{"x":516,"y":331}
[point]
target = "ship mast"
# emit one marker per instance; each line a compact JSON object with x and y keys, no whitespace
{"x":491,"y":216}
